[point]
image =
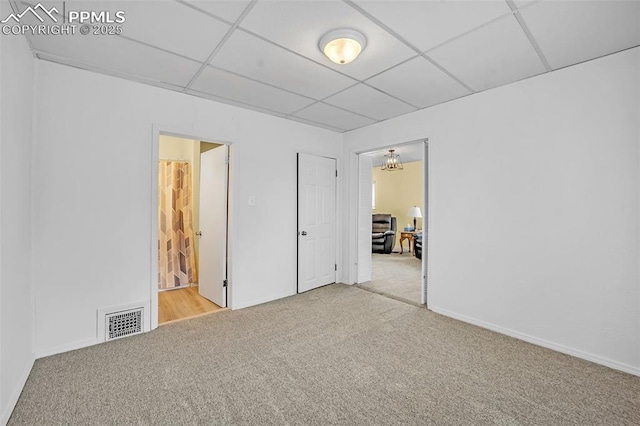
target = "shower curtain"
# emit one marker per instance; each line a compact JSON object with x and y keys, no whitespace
{"x":176,"y":256}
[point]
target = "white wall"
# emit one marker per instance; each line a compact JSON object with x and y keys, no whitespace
{"x":92,"y":196}
{"x":534,"y":192}
{"x":16,"y":313}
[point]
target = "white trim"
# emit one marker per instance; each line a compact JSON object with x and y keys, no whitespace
{"x":66,"y":348}
{"x":153,"y":248}
{"x":541,"y":342}
{"x":15,"y":395}
{"x":426,"y":222}
{"x":262,"y":300}
{"x":352,"y":234}
{"x":389,"y":144}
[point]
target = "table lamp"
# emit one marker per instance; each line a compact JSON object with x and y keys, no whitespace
{"x":415,"y":213}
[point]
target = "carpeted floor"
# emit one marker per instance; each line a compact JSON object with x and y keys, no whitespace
{"x":396,"y":275}
{"x":335,"y":355}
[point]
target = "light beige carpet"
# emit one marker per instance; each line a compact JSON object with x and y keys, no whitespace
{"x":335,"y":355}
{"x":396,"y":275}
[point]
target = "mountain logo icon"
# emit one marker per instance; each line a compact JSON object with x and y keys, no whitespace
{"x":34,"y":11}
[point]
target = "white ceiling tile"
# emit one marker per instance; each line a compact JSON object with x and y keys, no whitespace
{"x":332,"y":116}
{"x":523,"y":3}
{"x":252,"y":57}
{"x":165,"y":24}
{"x":314,"y":123}
{"x":426,"y":24}
{"x":238,"y":104}
{"x":496,"y":54}
{"x":229,"y":10}
{"x":480,"y":42}
{"x":113,"y":53}
{"x":418,"y":82}
{"x":231,"y":86}
{"x":370,"y":102}
{"x":299,"y":26}
{"x":569,"y":32}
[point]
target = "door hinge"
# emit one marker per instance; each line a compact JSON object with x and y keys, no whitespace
{"x":225,"y":283}
{"x":335,"y":267}
{"x":336,"y":173}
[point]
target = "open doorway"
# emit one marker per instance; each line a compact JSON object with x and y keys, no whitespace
{"x":392,"y":222}
{"x":192,"y":227}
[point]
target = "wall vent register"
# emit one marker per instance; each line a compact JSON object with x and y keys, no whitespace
{"x":125,"y":323}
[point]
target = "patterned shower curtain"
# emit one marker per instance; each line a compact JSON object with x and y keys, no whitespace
{"x":176,"y":256}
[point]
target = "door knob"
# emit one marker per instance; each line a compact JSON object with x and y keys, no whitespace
{"x":303,"y":233}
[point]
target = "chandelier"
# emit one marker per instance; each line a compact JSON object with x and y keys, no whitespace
{"x":391,"y":161}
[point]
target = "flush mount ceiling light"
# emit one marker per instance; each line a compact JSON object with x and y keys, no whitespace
{"x":342,"y":46}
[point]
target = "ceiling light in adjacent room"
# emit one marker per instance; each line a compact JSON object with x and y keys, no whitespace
{"x":343,"y":46}
{"x":391,"y":161}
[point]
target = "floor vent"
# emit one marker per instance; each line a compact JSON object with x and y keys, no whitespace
{"x":124,"y":323}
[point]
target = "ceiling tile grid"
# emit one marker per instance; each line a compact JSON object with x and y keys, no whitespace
{"x":490,"y":56}
{"x":264,"y":54}
{"x":427,"y":24}
{"x":119,"y":55}
{"x":332,"y":116}
{"x":369,"y":102}
{"x":299,"y":25}
{"x":418,"y":82}
{"x":253,"y":57}
{"x":227,"y":85}
{"x":572,"y":32}
{"x":227,"y":10}
{"x":159,"y":28}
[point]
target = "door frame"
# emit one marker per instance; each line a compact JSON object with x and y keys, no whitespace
{"x":337,"y":230}
{"x":425,"y":208}
{"x":232,"y":231}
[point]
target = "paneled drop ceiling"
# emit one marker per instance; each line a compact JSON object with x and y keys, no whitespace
{"x":263,"y":54}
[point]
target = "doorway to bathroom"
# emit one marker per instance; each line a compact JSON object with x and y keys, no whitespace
{"x":192,"y":227}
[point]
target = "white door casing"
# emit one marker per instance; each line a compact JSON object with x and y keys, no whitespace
{"x":316,"y":221}
{"x":425,"y":221}
{"x":365,"y":182}
{"x":213,"y":225}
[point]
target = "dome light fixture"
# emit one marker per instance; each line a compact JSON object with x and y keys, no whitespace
{"x":342,"y":46}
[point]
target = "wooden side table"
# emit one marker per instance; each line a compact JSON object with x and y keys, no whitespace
{"x":406,"y":235}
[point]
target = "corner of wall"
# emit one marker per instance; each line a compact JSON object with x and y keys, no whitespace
{"x":12,"y":400}
{"x":17,"y":76}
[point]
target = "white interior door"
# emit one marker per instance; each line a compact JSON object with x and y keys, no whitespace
{"x":365,"y":198}
{"x":213,"y":225}
{"x":316,"y":221}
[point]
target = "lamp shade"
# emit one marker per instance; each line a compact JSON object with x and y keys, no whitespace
{"x":414,"y":212}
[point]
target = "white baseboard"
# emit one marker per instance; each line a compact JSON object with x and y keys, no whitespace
{"x":66,"y":348}
{"x":541,"y":342}
{"x":261,"y":300}
{"x":13,"y":399}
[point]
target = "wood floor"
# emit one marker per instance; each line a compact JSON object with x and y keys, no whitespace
{"x":175,"y":305}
